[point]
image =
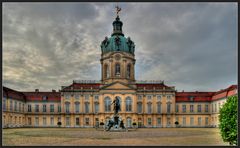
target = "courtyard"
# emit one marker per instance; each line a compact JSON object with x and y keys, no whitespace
{"x":93,"y":137}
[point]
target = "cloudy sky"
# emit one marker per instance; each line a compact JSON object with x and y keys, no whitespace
{"x":192,"y":46}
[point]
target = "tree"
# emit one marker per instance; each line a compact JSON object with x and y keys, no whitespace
{"x":59,"y":124}
{"x":176,"y":123}
{"x":228,"y":120}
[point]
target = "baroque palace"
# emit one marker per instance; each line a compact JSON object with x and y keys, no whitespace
{"x":87,"y":103}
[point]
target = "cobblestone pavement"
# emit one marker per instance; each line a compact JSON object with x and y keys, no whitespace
{"x":90,"y":136}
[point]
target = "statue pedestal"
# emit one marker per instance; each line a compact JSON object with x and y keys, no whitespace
{"x":115,"y":124}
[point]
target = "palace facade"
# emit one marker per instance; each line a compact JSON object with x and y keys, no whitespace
{"x":87,"y":103}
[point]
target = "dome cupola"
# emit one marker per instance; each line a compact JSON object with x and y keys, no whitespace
{"x":117,"y":41}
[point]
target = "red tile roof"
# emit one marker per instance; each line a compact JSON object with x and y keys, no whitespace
{"x":38,"y":96}
{"x":196,"y":96}
{"x":13,"y":94}
{"x":231,"y":90}
{"x":82,"y":86}
{"x":152,"y":86}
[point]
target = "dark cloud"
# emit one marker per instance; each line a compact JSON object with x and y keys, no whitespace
{"x":192,"y":46}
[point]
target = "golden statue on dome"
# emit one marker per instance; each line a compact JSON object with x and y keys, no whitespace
{"x":118,"y":9}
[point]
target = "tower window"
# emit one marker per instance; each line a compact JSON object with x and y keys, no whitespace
{"x":117,"y":69}
{"x":106,"y":71}
{"x":128,"y":71}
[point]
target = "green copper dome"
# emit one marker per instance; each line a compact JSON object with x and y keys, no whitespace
{"x":117,"y":41}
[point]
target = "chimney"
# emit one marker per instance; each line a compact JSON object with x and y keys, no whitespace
{"x":36,"y":90}
{"x":182,"y":90}
{"x":53,"y":90}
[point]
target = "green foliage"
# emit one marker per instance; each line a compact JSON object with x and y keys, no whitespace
{"x":228,"y":120}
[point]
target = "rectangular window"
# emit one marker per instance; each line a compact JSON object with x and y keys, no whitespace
{"x":212,"y":107}
{"x":219,"y":105}
{"x":159,"y":98}
{"x":206,"y":108}
{"x":139,"y":107}
{"x":177,"y":108}
{"x":159,"y":121}
{"x":191,"y":121}
{"x":96,"y":107}
{"x":184,"y":108}
{"x":77,"y":96}
{"x":206,"y":120}
{"x":191,"y":108}
{"x":168,"y":108}
{"x":44,"y":108}
{"x":149,"y":121}
{"x":199,"y":120}
{"x":36,"y":121}
{"x":86,"y":97}
{"x":36,"y":108}
{"x":67,"y":107}
{"x":15,"y":105}
{"x":184,"y":121}
{"x":77,"y":107}
{"x":86,"y":121}
{"x":11,"y":105}
{"x":19,"y":106}
{"x":139,"y":98}
{"x":52,"y":108}
{"x":215,"y":109}
{"x":149,"y":108}
{"x":199,"y":108}
{"x":29,"y":108}
{"x":177,"y":119}
{"x":23,"y":108}
{"x":59,"y":108}
{"x":96,"y":97}
{"x":149,"y":97}
{"x":59,"y":119}
{"x":67,"y":96}
{"x":86,"y":107}
{"x":77,"y":121}
{"x":159,"y":108}
{"x":168,"y":98}
{"x":44,"y":121}
{"x":29,"y":121}
{"x":4,"y":104}
{"x":168,"y":121}
{"x":67,"y":121}
{"x":52,"y":121}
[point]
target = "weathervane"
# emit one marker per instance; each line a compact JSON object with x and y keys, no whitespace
{"x":118,"y":9}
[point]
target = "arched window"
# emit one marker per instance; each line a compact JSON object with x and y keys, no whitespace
{"x":77,"y":107}
{"x":117,"y":69}
{"x":107,"y":104}
{"x":128,"y":104}
{"x":128,"y":71}
{"x":106,"y":71}
{"x":67,"y":107}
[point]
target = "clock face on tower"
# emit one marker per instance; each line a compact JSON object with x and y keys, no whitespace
{"x":117,"y":57}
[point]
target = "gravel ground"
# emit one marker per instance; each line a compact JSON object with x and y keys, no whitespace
{"x":90,"y":136}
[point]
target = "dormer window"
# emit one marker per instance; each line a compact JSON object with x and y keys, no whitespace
{"x":44,"y":98}
{"x":191,"y":98}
